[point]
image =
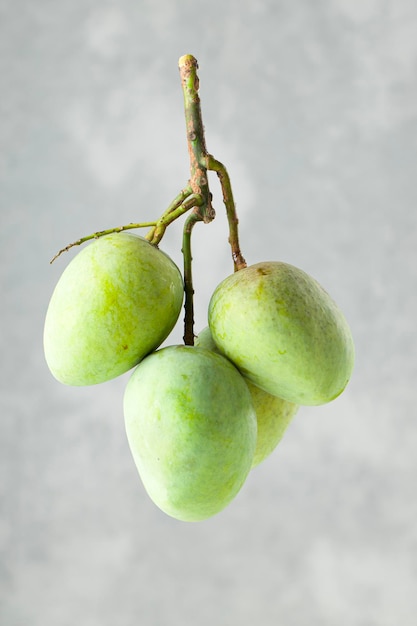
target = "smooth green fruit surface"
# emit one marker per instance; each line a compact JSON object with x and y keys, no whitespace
{"x":273,"y":414}
{"x":284,"y":332}
{"x":191,"y":427}
{"x":116,"y":301}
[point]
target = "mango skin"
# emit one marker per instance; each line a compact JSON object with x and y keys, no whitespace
{"x":116,"y":301}
{"x":191,"y":427}
{"x":283,"y":332}
{"x":273,"y":414}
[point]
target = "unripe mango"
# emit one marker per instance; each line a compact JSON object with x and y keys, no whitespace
{"x":283,"y":332}
{"x":191,"y":427}
{"x":116,"y":301}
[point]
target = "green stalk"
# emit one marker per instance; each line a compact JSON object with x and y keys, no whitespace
{"x":177,"y":201}
{"x":191,"y":201}
{"x":201,"y":161}
{"x":190,"y":222}
{"x":195,"y":136}
{"x":101,"y":233}
{"x":214,"y":165}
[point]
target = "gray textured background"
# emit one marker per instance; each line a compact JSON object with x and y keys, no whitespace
{"x":312,"y":106}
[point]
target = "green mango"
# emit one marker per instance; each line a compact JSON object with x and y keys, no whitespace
{"x":283,"y":332}
{"x":191,"y":428}
{"x":116,"y":301}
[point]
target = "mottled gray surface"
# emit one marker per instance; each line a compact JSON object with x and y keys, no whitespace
{"x":312,"y":106}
